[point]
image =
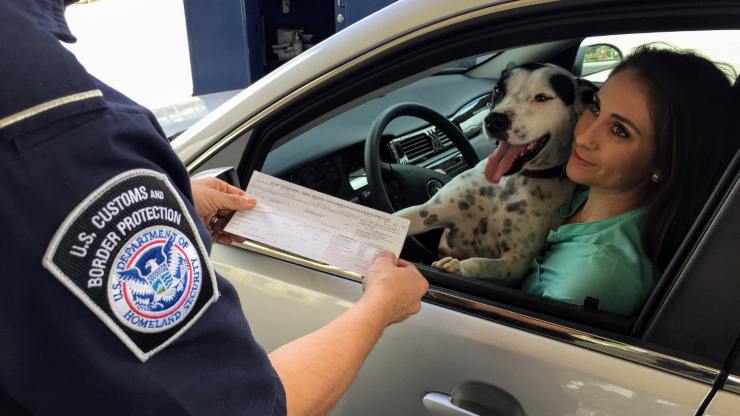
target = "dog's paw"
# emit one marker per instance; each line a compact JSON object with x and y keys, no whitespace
{"x":448,"y":264}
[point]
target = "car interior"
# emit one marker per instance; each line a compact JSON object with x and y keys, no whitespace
{"x":325,"y":151}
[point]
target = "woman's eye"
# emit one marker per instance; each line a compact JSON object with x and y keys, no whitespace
{"x":541,"y":98}
{"x":620,"y":131}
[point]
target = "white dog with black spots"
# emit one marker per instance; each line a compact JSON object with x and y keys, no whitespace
{"x":497,"y":215}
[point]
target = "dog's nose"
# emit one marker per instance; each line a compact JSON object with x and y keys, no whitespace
{"x":497,"y":122}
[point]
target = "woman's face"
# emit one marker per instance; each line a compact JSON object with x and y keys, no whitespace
{"x":614,"y":145}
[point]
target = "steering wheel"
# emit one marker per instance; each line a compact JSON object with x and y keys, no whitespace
{"x":415,"y":184}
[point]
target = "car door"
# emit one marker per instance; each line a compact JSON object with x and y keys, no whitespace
{"x":490,"y":353}
{"x":726,"y":401}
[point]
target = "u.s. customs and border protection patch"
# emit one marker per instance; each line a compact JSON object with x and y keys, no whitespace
{"x":131,"y":252}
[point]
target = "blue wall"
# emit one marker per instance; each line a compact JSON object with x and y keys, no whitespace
{"x":354,"y":10}
{"x":231,"y":40}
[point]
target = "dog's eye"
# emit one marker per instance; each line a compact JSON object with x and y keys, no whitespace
{"x":541,"y":98}
{"x":497,"y":92}
{"x":594,"y":109}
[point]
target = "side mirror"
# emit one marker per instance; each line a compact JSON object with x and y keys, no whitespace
{"x":596,"y":58}
{"x":226,"y":174}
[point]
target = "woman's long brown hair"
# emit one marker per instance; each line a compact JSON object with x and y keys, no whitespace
{"x":691,"y":106}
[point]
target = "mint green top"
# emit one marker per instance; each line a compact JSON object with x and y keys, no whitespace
{"x":602,"y":259}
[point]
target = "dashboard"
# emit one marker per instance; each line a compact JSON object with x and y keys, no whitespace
{"x":329,"y":157}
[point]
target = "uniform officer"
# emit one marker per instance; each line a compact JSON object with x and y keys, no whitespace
{"x":109,"y":302}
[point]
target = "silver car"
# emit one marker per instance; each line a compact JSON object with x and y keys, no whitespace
{"x":475,"y":349}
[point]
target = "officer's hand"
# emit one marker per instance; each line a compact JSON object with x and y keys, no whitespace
{"x":213,"y":196}
{"x":398,"y":288}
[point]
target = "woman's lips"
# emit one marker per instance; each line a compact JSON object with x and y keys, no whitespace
{"x":578,"y":159}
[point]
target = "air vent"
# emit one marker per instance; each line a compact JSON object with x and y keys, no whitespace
{"x":414,"y":147}
{"x":444,"y":141}
{"x":454,"y":165}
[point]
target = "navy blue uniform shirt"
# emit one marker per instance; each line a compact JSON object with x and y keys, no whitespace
{"x":108,"y":302}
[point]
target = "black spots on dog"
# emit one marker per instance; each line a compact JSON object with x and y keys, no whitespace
{"x":432,"y":219}
{"x":423,"y":213}
{"x":540,"y":194}
{"x":480,"y":208}
{"x":520,"y":133}
{"x":467,"y":201}
{"x":487,"y":191}
{"x":502,"y":246}
{"x":525,"y":180}
{"x":564,"y":88}
{"x":508,"y":190}
{"x":499,"y":91}
{"x":481,"y":228}
{"x":453,"y":232}
{"x":507,"y":226}
{"x":519,"y":207}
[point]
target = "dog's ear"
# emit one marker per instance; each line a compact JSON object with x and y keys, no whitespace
{"x":584,"y":94}
{"x":505,"y":73}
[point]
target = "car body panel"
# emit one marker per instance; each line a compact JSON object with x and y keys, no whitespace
{"x":439,"y":348}
{"x":724,"y":403}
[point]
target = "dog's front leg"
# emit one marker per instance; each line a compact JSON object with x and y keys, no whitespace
{"x":428,"y":216}
{"x":504,"y":270}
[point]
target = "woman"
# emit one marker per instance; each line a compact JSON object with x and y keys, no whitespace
{"x":649,"y":151}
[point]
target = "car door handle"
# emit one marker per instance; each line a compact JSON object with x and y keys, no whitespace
{"x":473,"y":398}
{"x":440,"y":404}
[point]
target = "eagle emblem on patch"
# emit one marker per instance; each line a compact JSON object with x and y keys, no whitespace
{"x":155,"y":281}
{"x":132,"y":254}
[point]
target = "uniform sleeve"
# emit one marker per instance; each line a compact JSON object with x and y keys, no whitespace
{"x":604,"y":274}
{"x":109,"y":304}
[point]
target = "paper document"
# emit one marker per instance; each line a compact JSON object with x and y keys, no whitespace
{"x":317,"y":226}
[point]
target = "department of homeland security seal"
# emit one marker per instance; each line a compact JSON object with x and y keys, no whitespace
{"x":155,"y":280}
{"x":131,"y":252}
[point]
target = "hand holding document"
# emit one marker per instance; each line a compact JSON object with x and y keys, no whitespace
{"x":317,"y":226}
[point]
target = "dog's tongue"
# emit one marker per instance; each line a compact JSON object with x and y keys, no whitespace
{"x":500,"y":161}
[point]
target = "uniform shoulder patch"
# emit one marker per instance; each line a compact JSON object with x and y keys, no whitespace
{"x":131,"y":252}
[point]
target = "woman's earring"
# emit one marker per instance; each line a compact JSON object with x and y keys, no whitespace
{"x":655,"y":178}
